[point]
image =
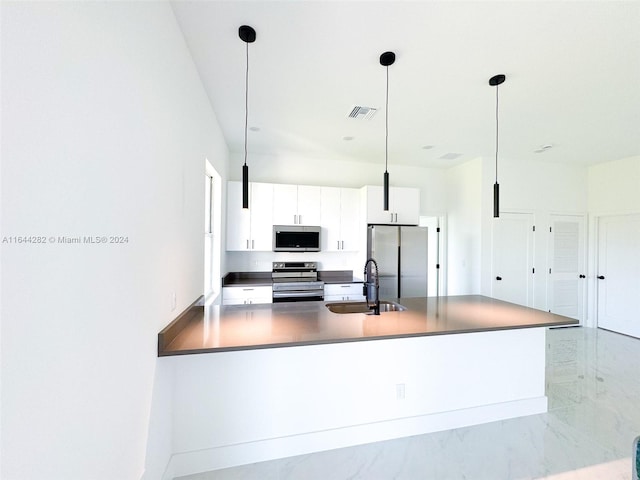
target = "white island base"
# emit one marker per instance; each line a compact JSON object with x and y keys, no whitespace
{"x":240,"y":407}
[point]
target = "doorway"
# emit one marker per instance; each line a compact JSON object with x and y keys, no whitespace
{"x":212,"y":232}
{"x":567,"y":266}
{"x":512,"y":258}
{"x":618,"y":274}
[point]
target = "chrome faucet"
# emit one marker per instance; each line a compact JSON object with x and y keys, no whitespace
{"x":365,"y":290}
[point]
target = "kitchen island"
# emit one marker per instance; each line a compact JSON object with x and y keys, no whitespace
{"x":246,"y":327}
{"x":259,"y":382}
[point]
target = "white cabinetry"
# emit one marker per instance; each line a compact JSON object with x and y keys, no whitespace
{"x":404,"y":205}
{"x":252,"y":228}
{"x":340,"y":219}
{"x":343,"y":291}
{"x":246,"y":295}
{"x":296,"y":205}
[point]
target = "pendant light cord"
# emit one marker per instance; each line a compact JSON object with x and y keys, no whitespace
{"x":497,"y":133}
{"x":386,"y":124}
{"x":246,"y":105}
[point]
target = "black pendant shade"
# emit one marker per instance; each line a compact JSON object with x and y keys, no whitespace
{"x":245,"y":186}
{"x":386,"y":191}
{"x":494,"y":82}
{"x":248,"y":35}
{"x":386,"y":59}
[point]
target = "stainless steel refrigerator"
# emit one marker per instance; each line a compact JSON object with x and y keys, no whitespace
{"x":401,"y":255}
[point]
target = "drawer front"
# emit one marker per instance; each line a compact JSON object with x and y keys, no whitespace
{"x":244,"y":293}
{"x":342,"y":289}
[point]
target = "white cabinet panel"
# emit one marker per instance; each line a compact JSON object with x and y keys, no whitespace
{"x":404,"y":205}
{"x":238,"y":219}
{"x":296,"y":205}
{"x":340,"y":219}
{"x":249,"y":229}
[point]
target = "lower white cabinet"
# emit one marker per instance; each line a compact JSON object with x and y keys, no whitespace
{"x":336,"y":292}
{"x":247,"y":295}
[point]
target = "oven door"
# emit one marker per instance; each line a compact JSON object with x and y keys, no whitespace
{"x":298,"y":292}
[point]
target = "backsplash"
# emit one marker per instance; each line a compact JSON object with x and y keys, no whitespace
{"x":261,"y":261}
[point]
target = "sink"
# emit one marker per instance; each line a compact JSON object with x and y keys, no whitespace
{"x":361,"y":307}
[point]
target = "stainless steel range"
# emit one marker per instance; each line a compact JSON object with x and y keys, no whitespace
{"x":296,"y":282}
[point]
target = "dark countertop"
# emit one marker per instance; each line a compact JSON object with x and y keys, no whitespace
{"x":221,"y":328}
{"x":257,"y":279}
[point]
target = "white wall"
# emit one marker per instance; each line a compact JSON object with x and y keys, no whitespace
{"x":464,"y":212}
{"x":614,"y":189}
{"x":105,"y":128}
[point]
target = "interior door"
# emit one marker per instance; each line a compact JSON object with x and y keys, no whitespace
{"x":567,"y":275}
{"x":512,"y":266}
{"x":618,"y":274}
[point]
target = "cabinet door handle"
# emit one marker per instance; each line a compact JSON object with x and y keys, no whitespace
{"x":247,"y":289}
{"x":601,"y":277}
{"x":582,"y":276}
{"x":392,"y":218}
{"x":342,"y":244}
{"x":396,"y":215}
{"x":498,"y":278}
{"x":253,"y":244}
{"x":300,"y":219}
{"x":247,"y":244}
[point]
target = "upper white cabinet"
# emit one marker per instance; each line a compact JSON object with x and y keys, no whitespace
{"x":296,"y":205}
{"x":252,"y":228}
{"x":340,"y":219}
{"x":404,"y":205}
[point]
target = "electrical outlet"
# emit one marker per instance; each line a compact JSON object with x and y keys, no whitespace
{"x":400,"y":391}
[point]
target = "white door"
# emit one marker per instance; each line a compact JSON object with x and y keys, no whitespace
{"x":618,"y":274}
{"x":513,"y":258}
{"x":567,"y":275}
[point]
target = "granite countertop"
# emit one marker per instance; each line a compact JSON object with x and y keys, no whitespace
{"x":246,"y":327}
{"x":257,"y":279}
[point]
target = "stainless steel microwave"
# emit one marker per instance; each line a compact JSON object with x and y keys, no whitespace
{"x":296,"y":238}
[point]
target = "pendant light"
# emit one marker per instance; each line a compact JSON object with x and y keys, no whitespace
{"x":386,"y":59}
{"x":248,"y":35}
{"x":494,"y":82}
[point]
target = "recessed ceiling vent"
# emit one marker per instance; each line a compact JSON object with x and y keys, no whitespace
{"x":362,"y":113}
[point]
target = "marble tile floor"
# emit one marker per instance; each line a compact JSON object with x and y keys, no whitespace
{"x":593,"y":386}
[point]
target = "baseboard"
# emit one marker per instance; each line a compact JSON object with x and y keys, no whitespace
{"x":187,"y":463}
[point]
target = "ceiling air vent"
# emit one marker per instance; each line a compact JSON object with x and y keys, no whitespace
{"x":362,"y":113}
{"x":450,"y":156}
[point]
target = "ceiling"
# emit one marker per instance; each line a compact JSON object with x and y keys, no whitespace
{"x":572,"y":78}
